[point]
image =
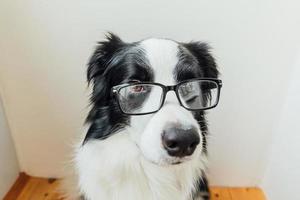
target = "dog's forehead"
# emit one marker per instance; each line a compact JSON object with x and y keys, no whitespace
{"x":162,"y":55}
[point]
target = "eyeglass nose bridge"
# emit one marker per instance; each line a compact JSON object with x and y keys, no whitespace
{"x":170,"y":88}
{"x":167,"y":89}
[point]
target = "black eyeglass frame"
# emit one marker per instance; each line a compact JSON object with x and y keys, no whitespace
{"x":116,"y":89}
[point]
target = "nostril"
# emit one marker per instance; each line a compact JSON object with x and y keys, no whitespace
{"x":172,"y":144}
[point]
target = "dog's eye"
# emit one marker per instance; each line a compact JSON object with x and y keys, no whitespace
{"x":137,"y":88}
{"x":187,"y":89}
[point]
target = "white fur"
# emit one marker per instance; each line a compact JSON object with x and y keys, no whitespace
{"x":115,"y":169}
{"x":132,"y":164}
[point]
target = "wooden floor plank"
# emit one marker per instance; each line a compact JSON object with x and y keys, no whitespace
{"x":29,"y":189}
{"x":47,"y":189}
{"x":246,"y":194}
{"x":255,"y":193}
{"x":17,"y":188}
{"x":40,"y":189}
{"x":220,"y":193}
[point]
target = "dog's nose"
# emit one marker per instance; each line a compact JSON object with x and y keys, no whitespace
{"x":180,"y":142}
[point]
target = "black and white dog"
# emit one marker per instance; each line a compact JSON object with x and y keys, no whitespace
{"x":147,"y":130}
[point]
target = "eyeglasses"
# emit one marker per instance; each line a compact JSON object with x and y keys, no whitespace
{"x":140,"y":98}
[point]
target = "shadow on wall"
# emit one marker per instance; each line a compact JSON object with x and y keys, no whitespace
{"x":9,"y":167}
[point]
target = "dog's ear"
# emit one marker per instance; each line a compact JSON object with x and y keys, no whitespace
{"x":202,"y":53}
{"x":103,"y":55}
{"x":98,"y":64}
{"x":98,"y":75}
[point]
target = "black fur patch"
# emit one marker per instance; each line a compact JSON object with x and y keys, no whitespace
{"x":202,"y":189}
{"x":195,"y":61}
{"x":113,"y":62}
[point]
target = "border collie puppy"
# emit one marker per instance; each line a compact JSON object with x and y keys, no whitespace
{"x":147,"y":131}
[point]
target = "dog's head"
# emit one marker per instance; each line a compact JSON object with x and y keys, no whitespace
{"x":156,"y":90}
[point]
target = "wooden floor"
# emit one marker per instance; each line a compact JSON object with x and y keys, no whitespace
{"x":29,"y":188}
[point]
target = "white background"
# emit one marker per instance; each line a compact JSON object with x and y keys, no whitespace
{"x":282,"y":177}
{"x":45,"y":46}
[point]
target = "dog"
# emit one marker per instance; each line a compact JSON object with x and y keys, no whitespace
{"x":147,"y":132}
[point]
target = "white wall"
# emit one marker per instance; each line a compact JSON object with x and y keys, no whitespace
{"x":282,"y":177}
{"x":9,"y":168}
{"x":46,"y":45}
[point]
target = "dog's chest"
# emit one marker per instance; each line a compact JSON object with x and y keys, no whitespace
{"x":139,"y":183}
{"x":123,"y":174}
{"x":136,"y":183}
